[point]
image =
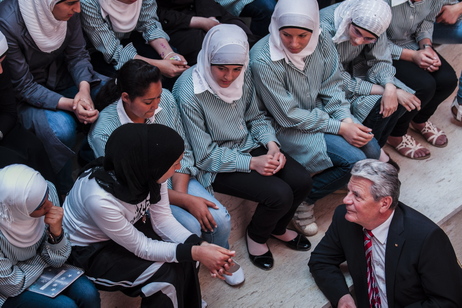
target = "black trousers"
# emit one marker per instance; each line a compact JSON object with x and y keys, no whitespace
{"x":432,"y":88}
{"x":278,"y":196}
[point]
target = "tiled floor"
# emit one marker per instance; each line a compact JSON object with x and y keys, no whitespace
{"x":433,"y":186}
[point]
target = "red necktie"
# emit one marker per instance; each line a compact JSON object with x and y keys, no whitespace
{"x":372,"y":288}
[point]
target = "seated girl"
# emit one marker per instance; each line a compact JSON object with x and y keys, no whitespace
{"x":32,"y":239}
{"x":138,"y":97}
{"x":421,"y":68}
{"x":187,"y":22}
{"x":118,"y":217}
{"x":297,"y":77}
{"x":121,"y":30}
{"x":357,"y":28}
{"x":235,"y":146}
{"x":51,"y":75}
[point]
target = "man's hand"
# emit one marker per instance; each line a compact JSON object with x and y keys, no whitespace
{"x":346,"y":301}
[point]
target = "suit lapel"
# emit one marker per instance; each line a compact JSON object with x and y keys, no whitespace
{"x":395,"y":242}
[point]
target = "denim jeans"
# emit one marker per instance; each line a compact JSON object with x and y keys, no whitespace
{"x":220,"y":234}
{"x":343,"y":155}
{"x":82,"y":293}
{"x":64,"y":127}
{"x":260,"y":11}
{"x":447,"y":34}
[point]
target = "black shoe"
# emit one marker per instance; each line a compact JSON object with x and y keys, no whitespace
{"x":264,"y":261}
{"x":394,"y":164}
{"x":300,"y":242}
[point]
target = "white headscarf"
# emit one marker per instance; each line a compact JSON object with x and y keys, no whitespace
{"x":3,"y":44}
{"x":22,"y":189}
{"x":224,"y":44}
{"x":371,"y":15}
{"x":46,"y":31}
{"x":297,"y":14}
{"x":124,"y":17}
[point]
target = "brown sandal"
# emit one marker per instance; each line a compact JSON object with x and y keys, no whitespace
{"x":431,"y":133}
{"x":408,"y":147}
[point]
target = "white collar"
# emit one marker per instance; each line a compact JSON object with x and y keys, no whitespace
{"x":381,"y":232}
{"x":124,"y":118}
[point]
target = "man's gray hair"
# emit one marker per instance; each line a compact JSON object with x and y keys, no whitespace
{"x":384,"y":178}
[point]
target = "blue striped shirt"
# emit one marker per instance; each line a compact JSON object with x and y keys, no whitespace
{"x":221,"y":134}
{"x":20,"y":267}
{"x":362,"y":66}
{"x":411,"y":23}
{"x":114,"y":116}
{"x":304,"y":104}
{"x":107,"y":41}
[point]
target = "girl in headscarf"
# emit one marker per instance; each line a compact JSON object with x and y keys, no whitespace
{"x":121,"y":30}
{"x":31,"y":239}
{"x":296,"y":74}
{"x":357,"y":28}
{"x":51,"y":75}
{"x":421,"y":68}
{"x":138,"y":97}
{"x":121,"y":227}
{"x":235,"y":146}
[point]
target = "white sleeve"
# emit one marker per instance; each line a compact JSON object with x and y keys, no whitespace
{"x":163,"y":222}
{"x":110,"y":217}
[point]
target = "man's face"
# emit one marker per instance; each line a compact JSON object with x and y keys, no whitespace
{"x":361,"y":206}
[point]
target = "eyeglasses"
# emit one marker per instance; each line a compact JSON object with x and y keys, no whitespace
{"x":42,"y":203}
{"x":357,"y":33}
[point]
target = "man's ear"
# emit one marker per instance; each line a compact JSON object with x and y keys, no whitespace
{"x":385,"y":203}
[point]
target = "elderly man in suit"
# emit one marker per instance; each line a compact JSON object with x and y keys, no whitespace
{"x":396,"y":256}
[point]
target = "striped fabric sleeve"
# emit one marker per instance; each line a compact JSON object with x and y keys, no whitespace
{"x":149,"y":24}
{"x":18,"y":276}
{"x":210,"y":156}
{"x":101,"y":35}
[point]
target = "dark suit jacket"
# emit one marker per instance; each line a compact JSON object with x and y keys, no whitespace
{"x":421,"y":267}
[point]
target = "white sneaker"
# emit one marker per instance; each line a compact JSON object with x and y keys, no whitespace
{"x":304,"y":220}
{"x":237,"y":276}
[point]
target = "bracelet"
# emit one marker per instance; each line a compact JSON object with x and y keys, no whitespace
{"x":171,"y":52}
{"x":427,"y":45}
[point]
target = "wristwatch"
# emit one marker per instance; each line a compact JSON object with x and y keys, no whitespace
{"x":427,"y":45}
{"x":54,"y":239}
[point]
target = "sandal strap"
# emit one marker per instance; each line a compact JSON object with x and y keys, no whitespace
{"x":434,"y":132}
{"x":410,"y":143}
{"x":458,"y":107}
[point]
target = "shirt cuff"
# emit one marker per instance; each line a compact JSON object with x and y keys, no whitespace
{"x":243,"y":162}
{"x":184,"y":251}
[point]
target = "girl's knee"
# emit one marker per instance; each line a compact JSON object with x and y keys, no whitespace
{"x":63,"y":126}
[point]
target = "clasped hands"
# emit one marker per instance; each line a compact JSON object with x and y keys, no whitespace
{"x":216,"y":259}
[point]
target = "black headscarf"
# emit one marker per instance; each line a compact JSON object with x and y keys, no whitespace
{"x":136,"y":157}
